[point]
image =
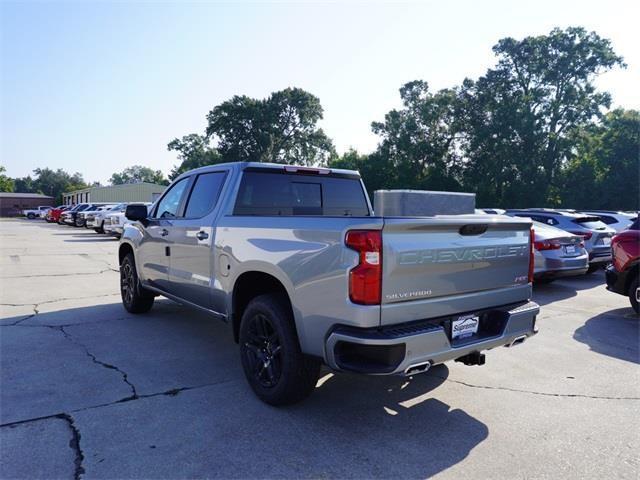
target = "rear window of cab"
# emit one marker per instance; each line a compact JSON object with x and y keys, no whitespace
{"x":283,"y":194}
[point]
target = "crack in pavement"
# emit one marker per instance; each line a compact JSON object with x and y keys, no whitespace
{"x":62,"y":274}
{"x":532,"y":392}
{"x":17,"y":322}
{"x":57,"y":300}
{"x":74,"y":443}
{"x":67,"y":335}
{"x":173,"y":392}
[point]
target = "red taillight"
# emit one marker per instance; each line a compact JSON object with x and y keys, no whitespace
{"x":365,"y":280}
{"x":547,"y":245}
{"x":584,"y":235}
{"x":531,"y":243}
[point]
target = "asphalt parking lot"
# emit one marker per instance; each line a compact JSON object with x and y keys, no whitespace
{"x":88,"y":390}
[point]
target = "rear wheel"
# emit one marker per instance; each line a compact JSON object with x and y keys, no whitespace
{"x":31,"y":216}
{"x":634,"y":295}
{"x":135,"y":298}
{"x":275,"y":367}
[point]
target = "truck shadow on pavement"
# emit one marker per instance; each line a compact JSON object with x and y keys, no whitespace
{"x":614,"y":333}
{"x":184,"y":368}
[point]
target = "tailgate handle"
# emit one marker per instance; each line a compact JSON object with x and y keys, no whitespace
{"x":473,"y":229}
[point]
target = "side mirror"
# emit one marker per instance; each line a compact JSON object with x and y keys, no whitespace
{"x":136,"y":213}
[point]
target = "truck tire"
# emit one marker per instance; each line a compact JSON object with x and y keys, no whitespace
{"x":31,"y":216}
{"x":135,"y":298}
{"x":633,"y":295}
{"x":275,"y":367}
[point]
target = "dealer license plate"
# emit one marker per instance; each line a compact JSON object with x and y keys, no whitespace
{"x":570,"y":249}
{"x":464,"y":326}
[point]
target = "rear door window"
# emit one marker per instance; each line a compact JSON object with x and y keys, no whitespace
{"x":272,"y":193}
{"x":204,"y":194}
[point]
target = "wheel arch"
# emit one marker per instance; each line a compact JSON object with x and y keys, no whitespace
{"x":248,"y":286}
{"x":123,"y":250}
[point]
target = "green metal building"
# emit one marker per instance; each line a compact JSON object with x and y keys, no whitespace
{"x":128,"y":192}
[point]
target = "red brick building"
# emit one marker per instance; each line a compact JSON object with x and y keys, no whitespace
{"x":12,"y":204}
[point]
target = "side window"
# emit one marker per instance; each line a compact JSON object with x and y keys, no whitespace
{"x":204,"y":194}
{"x":607,"y":219}
{"x":168,"y":206}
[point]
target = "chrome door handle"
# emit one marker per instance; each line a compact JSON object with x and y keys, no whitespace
{"x":202,"y":235}
{"x":164,"y":232}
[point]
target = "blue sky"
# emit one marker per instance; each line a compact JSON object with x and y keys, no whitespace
{"x":95,"y":87}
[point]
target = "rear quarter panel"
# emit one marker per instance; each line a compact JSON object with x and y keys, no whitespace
{"x":308,"y":256}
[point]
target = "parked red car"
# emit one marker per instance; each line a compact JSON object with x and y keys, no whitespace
{"x":53,"y":215}
{"x":623,"y":273}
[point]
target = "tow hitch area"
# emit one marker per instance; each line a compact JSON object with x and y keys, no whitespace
{"x":474,"y":358}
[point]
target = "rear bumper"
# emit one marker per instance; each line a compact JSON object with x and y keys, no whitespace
{"x":395,"y":349}
{"x":601,"y":255}
{"x":562,"y":267}
{"x":616,"y":281}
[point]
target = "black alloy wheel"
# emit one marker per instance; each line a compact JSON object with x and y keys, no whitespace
{"x":263,"y":351}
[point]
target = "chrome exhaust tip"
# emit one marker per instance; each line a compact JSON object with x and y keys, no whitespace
{"x":417,"y":368}
{"x":517,"y":341}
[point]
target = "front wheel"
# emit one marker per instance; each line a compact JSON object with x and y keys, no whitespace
{"x":634,"y":295}
{"x":275,"y":367}
{"x":135,"y":298}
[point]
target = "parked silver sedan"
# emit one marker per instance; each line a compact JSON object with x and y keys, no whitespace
{"x":557,"y":253}
{"x":595,"y":234}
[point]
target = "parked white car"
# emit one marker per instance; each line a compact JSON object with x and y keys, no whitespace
{"x":96,"y":219}
{"x":114,"y":223}
{"x":38,"y":212}
{"x":617,"y":220}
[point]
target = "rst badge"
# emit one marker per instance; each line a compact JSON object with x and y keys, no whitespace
{"x":464,"y":326}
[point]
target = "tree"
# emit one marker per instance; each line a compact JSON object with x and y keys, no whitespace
{"x":6,"y":183}
{"x":521,"y":115}
{"x":281,"y":128}
{"x":376,"y":171}
{"x":50,"y":182}
{"x":194,"y":151}
{"x":138,"y":174}
{"x":604,"y":172}
{"x":418,"y":140}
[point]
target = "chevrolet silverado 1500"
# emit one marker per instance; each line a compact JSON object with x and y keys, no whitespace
{"x":298,"y":265}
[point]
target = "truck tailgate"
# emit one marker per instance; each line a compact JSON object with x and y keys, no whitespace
{"x":452,"y":264}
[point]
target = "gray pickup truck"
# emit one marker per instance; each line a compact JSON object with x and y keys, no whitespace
{"x":296,"y":262}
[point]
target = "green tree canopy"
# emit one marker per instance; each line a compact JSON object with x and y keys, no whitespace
{"x":194,"y":151}
{"x":281,"y":128}
{"x":604,"y":172}
{"x":520,"y":116}
{"x":417,"y":141}
{"x":508,"y":134}
{"x":50,"y":182}
{"x":138,"y":174}
{"x":6,"y":183}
